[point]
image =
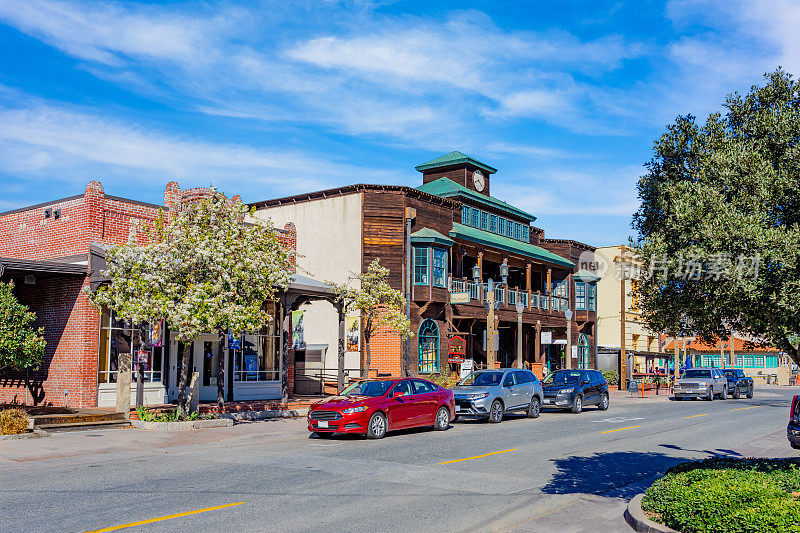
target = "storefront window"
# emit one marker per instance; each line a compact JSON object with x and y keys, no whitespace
{"x":420,"y":265}
{"x":428,"y":347}
{"x":119,"y":336}
{"x":580,"y":296}
{"x":256,"y":357}
{"x":591,"y":296}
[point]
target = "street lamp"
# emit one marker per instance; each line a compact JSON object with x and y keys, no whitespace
{"x":568,"y":316}
{"x":520,"y":308}
{"x":504,"y":271}
{"x":476,"y":273}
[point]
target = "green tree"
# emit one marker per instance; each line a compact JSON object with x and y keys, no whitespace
{"x":21,"y":345}
{"x":724,"y":196}
{"x":202,"y":270}
{"x":370,"y":295}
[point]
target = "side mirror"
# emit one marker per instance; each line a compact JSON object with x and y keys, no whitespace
{"x":397,"y":394}
{"x":585,"y":382}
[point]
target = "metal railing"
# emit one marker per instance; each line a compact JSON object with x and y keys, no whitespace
{"x":503,"y":295}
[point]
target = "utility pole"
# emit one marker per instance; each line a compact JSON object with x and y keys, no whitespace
{"x":623,"y":372}
{"x":733,"y":353}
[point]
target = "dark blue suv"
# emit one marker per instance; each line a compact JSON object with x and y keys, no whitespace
{"x":575,"y":389}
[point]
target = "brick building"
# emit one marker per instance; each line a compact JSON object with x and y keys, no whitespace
{"x":53,"y":250}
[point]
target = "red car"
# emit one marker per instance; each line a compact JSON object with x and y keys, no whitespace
{"x":374,"y":407}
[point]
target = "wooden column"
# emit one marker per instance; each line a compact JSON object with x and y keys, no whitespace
{"x":480,"y":267}
{"x":732,"y":350}
{"x":623,"y":372}
{"x":547,"y":289}
{"x":528,"y":283}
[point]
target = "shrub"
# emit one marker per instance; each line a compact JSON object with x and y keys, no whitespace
{"x":611,"y":377}
{"x":725,"y":495}
{"x":13,"y":422}
{"x":443,"y":380}
{"x":172,"y":416}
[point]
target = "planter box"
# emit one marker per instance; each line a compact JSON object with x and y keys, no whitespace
{"x":182,"y":426}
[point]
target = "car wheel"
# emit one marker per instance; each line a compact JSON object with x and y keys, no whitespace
{"x":442,"y":419}
{"x":577,"y":404}
{"x":496,"y":412}
{"x":710,"y":394}
{"x":724,"y":395}
{"x":377,"y":426}
{"x":750,"y":394}
{"x":534,"y":408}
{"x":603,"y":405}
{"x":735,"y":394}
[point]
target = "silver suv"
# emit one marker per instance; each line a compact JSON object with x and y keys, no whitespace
{"x":701,"y":383}
{"x":492,"y":393}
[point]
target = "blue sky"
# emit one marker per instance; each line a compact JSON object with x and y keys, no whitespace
{"x":268,"y":99}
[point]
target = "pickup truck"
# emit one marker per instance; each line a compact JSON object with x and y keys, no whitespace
{"x":738,"y":383}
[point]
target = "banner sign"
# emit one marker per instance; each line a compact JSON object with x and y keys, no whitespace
{"x":459,"y":297}
{"x":298,"y":340}
{"x":352,"y":333}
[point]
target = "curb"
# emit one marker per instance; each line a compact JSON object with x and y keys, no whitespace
{"x":635,"y":518}
{"x":263,"y":415}
{"x":35,"y":434}
{"x":181,"y":426}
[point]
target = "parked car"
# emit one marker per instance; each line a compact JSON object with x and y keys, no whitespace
{"x":375,"y":407}
{"x":793,"y":429}
{"x":492,"y":393}
{"x":575,"y":389}
{"x":738,"y":383}
{"x":701,"y":383}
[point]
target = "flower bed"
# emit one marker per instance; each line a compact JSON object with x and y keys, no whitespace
{"x":723,"y":495}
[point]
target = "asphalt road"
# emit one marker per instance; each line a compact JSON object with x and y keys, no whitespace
{"x":561,"y":471}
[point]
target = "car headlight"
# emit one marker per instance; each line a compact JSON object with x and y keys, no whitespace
{"x":351,"y":410}
{"x":702,"y":384}
{"x":566,"y":391}
{"x":478,"y":396}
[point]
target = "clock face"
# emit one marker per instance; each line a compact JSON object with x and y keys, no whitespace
{"x":478,"y":180}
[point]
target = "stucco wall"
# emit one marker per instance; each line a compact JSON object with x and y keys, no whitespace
{"x":608,"y":312}
{"x":329,"y":249}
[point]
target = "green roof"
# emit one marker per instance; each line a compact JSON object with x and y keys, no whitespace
{"x":468,"y":233}
{"x":585,"y":275}
{"x":430,"y":236}
{"x":454,"y":158}
{"x":446,"y":187}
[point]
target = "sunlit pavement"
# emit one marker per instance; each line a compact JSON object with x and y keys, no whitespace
{"x":561,"y":472}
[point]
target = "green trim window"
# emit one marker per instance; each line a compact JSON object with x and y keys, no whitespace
{"x":476,"y":218}
{"x":439,"y":267}
{"x":484,"y":221}
{"x":583,"y":351}
{"x":526,"y":233}
{"x":428,"y":343}
{"x":772,"y":361}
{"x":501,"y":228}
{"x":580,"y":296}
{"x":420,"y":265}
{"x":591,"y":296}
{"x":517,"y":231}
{"x":493,"y":223}
{"x":465,"y":215}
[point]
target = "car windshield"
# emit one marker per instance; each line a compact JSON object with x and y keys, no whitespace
{"x":563,"y":378}
{"x":368,"y":388}
{"x":729,"y":373}
{"x":695,"y":373}
{"x":482,"y":379}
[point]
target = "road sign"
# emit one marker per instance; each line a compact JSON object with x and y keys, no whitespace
{"x":459,"y":297}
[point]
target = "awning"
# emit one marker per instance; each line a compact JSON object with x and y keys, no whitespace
{"x":485,"y":238}
{"x":430,"y":236}
{"x":585,"y":275}
{"x":10,"y":265}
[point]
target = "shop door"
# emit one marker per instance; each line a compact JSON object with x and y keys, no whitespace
{"x":207,"y":351}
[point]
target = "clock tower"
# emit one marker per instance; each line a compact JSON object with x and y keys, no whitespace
{"x":460,"y":168}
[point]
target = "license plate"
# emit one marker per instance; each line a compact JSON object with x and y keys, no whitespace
{"x":322,"y":424}
{"x":458,"y":409}
{"x":547,"y":400}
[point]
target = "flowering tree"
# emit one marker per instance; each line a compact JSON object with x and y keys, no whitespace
{"x":202,"y":270}
{"x":376,"y":301}
{"x":21,"y":345}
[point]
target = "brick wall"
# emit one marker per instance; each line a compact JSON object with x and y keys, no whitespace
{"x":386,"y":352}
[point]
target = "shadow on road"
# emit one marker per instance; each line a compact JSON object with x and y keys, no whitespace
{"x":607,"y":471}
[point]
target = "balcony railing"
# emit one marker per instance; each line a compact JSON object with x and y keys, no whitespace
{"x":503,"y":295}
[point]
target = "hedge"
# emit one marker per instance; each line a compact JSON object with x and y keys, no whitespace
{"x":727,"y":495}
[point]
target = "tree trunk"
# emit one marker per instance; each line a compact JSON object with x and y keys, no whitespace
{"x":794,"y":353}
{"x":366,"y":365}
{"x":221,"y":372}
{"x":184,"y":379}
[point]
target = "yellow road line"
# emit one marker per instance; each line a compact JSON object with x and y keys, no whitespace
{"x":743,"y":408}
{"x":695,"y":416}
{"x":478,"y":456}
{"x":151,"y":520}
{"x":620,"y":429}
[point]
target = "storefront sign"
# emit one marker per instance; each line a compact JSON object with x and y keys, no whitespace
{"x":466,"y":367}
{"x":143,"y":358}
{"x":353,"y":333}
{"x":459,"y":297}
{"x":457,"y":346}
{"x":298,"y":340}
{"x":547,"y":337}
